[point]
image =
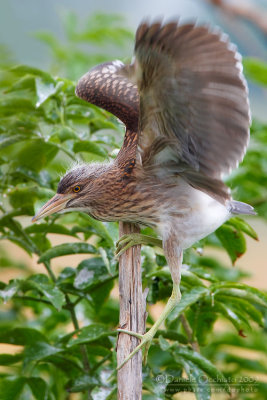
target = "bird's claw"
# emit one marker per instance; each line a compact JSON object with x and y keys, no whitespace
{"x":146,"y":339}
{"x":124,"y":243}
{"x":145,"y":343}
{"x":127,"y":241}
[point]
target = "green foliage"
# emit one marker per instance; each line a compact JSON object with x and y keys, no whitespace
{"x":256,"y":70}
{"x":68,"y":342}
{"x":98,"y":39}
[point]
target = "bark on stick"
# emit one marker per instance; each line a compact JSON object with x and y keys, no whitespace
{"x":132,"y":317}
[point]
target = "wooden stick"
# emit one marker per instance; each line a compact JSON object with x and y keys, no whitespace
{"x":132,"y":317}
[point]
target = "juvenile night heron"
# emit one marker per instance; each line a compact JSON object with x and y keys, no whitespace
{"x":184,"y":103}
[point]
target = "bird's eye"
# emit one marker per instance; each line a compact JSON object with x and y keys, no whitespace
{"x":76,"y":189}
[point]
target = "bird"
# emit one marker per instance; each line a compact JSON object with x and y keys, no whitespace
{"x":184,"y":103}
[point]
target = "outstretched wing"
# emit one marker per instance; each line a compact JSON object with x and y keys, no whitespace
{"x":106,"y":87}
{"x":192,"y":95}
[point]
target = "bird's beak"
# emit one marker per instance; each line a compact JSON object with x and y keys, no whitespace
{"x":57,"y":203}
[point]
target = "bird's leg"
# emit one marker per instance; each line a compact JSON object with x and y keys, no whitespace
{"x":133,"y":239}
{"x":146,"y":339}
{"x":174,"y":257}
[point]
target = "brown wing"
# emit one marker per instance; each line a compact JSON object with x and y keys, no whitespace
{"x":193,"y":94}
{"x":105,"y":87}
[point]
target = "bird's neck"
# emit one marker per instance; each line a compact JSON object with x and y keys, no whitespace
{"x":126,"y":158}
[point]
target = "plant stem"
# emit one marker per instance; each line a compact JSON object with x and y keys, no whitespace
{"x":71,"y":308}
{"x":76,"y":326}
{"x":83,"y":348}
{"x":50,"y":271}
{"x":189,"y":333}
{"x":29,"y":298}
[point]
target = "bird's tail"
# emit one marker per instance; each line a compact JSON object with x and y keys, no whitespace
{"x":237,"y":207}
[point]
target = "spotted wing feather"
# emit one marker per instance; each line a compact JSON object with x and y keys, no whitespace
{"x":105,"y":87}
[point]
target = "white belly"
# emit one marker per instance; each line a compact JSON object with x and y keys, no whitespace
{"x":202,"y":217}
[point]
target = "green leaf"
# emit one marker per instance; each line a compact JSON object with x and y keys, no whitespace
{"x":66,"y":274}
{"x":247,"y":364}
{"x":191,"y":279}
{"x":198,"y":380}
{"x":89,"y":147}
{"x":51,"y":292}
{"x":9,"y":291}
{"x":78,"y":113}
{"x":6,"y":141}
{"x":203,"y":273}
{"x":256,"y":70}
{"x":240,"y":293}
{"x":7,"y":262}
{"x":155,"y":387}
{"x":202,"y":317}
{"x":177,"y":385}
{"x":18,"y":241}
{"x":9,"y":359}
{"x":239,"y":321}
{"x":17,"y":231}
{"x":243,"y":307}
{"x":240,"y":290}
{"x":41,"y":242}
{"x":26,"y":69}
{"x":11,"y":388}
{"x":188,"y":298}
{"x":39,"y":351}
{"x":37,"y":282}
{"x":98,"y":227}
{"x":49,"y":228}
{"x":172,"y":335}
{"x":82,"y":383}
{"x":26,"y":82}
{"x":21,"y":336}
{"x":99,"y":294}
{"x":38,"y":387}
{"x":102,"y":393}
{"x":90,"y":334}
{"x":44,"y":90}
{"x":218,"y":271}
{"x":26,"y":195}
{"x":65,"y":133}
{"x":66,"y":249}
{"x":36,"y":154}
{"x":163,"y":343}
{"x":232,"y":240}
{"x":202,"y":363}
{"x":243,"y":226}
{"x":91,"y":273}
{"x":10,"y":105}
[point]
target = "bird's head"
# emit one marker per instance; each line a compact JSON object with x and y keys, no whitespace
{"x":77,"y":190}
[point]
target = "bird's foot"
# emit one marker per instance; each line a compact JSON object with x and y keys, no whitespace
{"x":145,"y":343}
{"x":127,"y":241}
{"x":147,"y":338}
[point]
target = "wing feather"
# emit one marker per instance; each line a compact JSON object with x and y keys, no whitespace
{"x":184,"y":100}
{"x":192,"y":91}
